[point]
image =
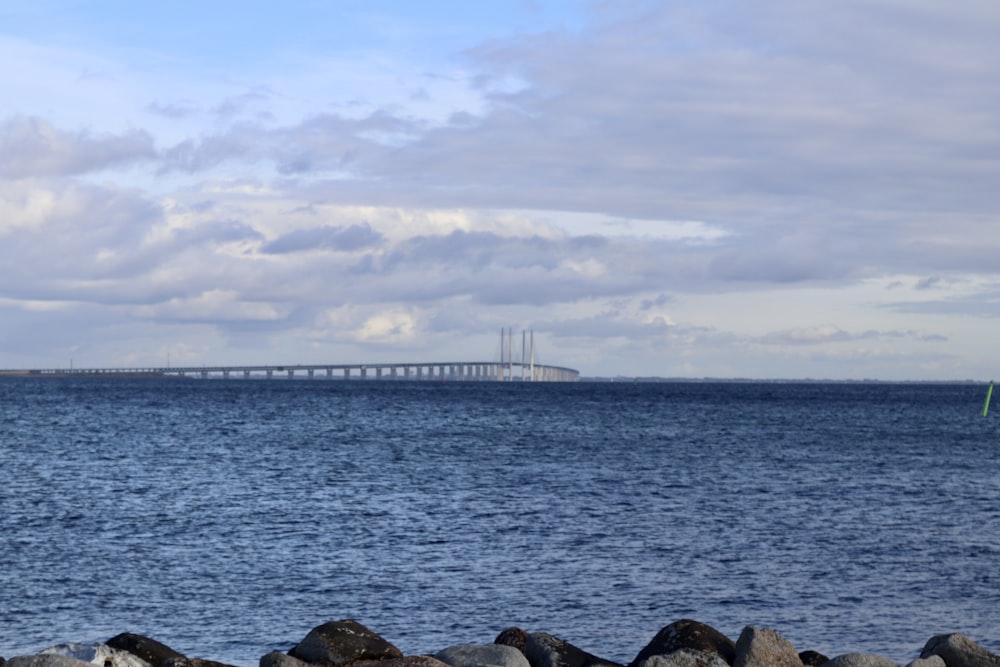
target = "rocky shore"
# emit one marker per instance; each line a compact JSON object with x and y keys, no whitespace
{"x":347,"y":643}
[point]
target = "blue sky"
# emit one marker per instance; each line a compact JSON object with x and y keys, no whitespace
{"x":768,"y":189}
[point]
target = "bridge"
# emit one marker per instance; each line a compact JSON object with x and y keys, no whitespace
{"x":447,"y":371}
{"x":506,"y":370}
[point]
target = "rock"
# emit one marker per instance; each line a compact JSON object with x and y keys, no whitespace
{"x":97,"y":654}
{"x":813,"y":659}
{"x":145,"y":648}
{"x":761,"y":647}
{"x":482,"y":655}
{"x":340,"y":643}
{"x":278,"y":659}
{"x":515,"y":637}
{"x":545,"y":650}
{"x":45,"y":660}
{"x":932,"y":661}
{"x":408,"y":661}
{"x":192,"y":662}
{"x":957,"y":650}
{"x":690,"y":634}
{"x":861,"y":660}
{"x":685,"y":657}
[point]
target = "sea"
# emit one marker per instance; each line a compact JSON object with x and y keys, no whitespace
{"x":227,"y":518}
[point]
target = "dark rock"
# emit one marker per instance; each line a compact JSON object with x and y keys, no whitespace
{"x":148,"y":649}
{"x":813,"y":659}
{"x":482,"y":655}
{"x":343,"y":642}
{"x":761,"y":647}
{"x":192,"y":662}
{"x":545,"y":650}
{"x":861,"y":660}
{"x":515,"y":637}
{"x":278,"y":659}
{"x":957,"y":650}
{"x":690,"y":634}
{"x":685,"y":657}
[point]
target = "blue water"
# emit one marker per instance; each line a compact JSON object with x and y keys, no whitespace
{"x":227,"y":518}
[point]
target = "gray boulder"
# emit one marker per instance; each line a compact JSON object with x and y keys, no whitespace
{"x":340,"y":643}
{"x":97,"y":654}
{"x":685,"y":657}
{"x":145,"y":648}
{"x":861,"y":660}
{"x":931,"y":661}
{"x":278,"y":659}
{"x":957,"y":650}
{"x":482,"y":655}
{"x":689,"y":634}
{"x":761,"y":647}
{"x":406,"y":661}
{"x":45,"y":660}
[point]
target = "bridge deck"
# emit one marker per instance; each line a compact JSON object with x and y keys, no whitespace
{"x":449,"y":370}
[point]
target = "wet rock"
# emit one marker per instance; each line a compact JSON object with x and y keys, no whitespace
{"x":343,"y":642}
{"x":482,"y":655}
{"x":761,"y":647}
{"x":278,"y":659}
{"x":685,"y":657}
{"x":97,"y":654}
{"x":813,"y":659}
{"x":45,"y":660}
{"x":545,"y":650}
{"x":145,"y":648}
{"x":861,"y":660}
{"x":689,"y":634}
{"x":931,"y":661}
{"x":957,"y":650}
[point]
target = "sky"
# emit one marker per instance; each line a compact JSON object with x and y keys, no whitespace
{"x":753,"y":189}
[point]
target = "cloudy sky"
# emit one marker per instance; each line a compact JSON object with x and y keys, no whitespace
{"x":751,"y":188}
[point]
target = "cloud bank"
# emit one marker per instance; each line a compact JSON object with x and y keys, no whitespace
{"x":760,"y":190}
